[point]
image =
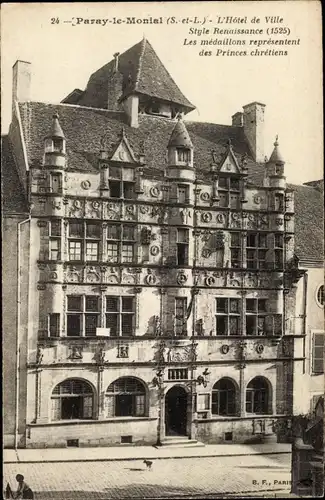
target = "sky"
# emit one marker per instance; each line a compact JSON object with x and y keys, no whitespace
{"x":64,"y":56}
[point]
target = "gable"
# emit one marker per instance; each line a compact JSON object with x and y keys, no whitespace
{"x":123,"y":153}
{"x":229,"y":165}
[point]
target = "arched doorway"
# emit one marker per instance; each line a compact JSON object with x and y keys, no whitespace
{"x":176,"y":411}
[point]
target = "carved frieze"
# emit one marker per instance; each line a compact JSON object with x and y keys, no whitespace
{"x":113,"y":211}
{"x":92,"y":274}
{"x":74,"y":274}
{"x":75,"y":352}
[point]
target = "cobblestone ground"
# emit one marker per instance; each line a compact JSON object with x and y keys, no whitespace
{"x":188,"y":478}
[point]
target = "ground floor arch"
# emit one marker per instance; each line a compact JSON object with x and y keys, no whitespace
{"x":176,"y":411}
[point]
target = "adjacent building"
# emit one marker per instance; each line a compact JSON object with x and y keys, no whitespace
{"x":150,"y":270}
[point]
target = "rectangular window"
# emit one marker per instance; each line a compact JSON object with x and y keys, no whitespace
{"x":227,"y":316}
{"x":115,"y":189}
{"x":279,"y":202}
{"x":178,"y":374}
{"x":229,"y":192}
{"x":182,"y":194}
{"x":84,"y":238}
{"x":235,"y":250}
{"x":83,"y":314}
{"x":183,"y":155}
{"x":182,"y":247}
{"x":56,"y":183}
{"x":278,"y":251}
{"x":55,"y":240}
{"x":121,"y":183}
{"x":120,"y":316}
{"x":121,"y":243}
{"x":318,"y":353}
{"x":256,"y":244}
{"x":54,"y":324}
{"x":180,"y":316}
{"x":256,"y":314}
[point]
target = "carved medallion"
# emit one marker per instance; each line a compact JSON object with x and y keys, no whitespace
{"x":154,"y":250}
{"x":206,"y":253}
{"x":206,"y":217}
{"x":154,"y":191}
{"x":181,"y":279}
{"x":258,"y":199}
{"x":85,"y":184}
{"x":224,"y":349}
{"x":150,"y":279}
{"x":205,"y":196}
{"x":210,"y":281}
{"x":259,"y":348}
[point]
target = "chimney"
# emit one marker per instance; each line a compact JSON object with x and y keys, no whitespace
{"x":116,"y":60}
{"x":238,"y":119}
{"x":253,"y":121}
{"x":21,"y":80}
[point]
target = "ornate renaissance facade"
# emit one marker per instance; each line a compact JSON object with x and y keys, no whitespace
{"x":152,"y":263}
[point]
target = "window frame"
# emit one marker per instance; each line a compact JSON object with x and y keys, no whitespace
{"x":313,"y":359}
{"x":186,"y":195}
{"x":230,"y":402}
{"x":55,"y":239}
{"x":85,"y":241}
{"x":259,"y":392}
{"x":138,"y":401}
{"x":84,"y":314}
{"x":225,"y":188}
{"x":120,"y":314}
{"x":124,"y":182}
{"x":257,"y":313}
{"x":57,"y":407}
{"x":122,"y":244}
{"x":235,"y":248}
{"x":56,"y":189}
{"x":183,"y":155}
{"x":257,"y":249}
{"x":182,"y":247}
{"x":228,"y":314}
{"x":180,"y":329}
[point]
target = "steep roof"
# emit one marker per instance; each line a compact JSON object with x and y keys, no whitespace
{"x":85,"y":129}
{"x":180,"y":136}
{"x":142,"y":72}
{"x":309,"y":223}
{"x":12,"y":192}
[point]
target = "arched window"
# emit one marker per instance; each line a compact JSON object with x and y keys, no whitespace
{"x":320,"y":295}
{"x":72,"y":399}
{"x":258,"y":397}
{"x":126,"y":397}
{"x":224,"y":397}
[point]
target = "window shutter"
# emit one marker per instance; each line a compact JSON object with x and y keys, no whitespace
{"x":318,"y":353}
{"x":87,"y":407}
{"x":110,"y":406}
{"x":278,"y":324}
{"x":269,"y":324}
{"x":139,"y":405}
{"x":56,"y":409}
{"x":270,"y":258}
{"x":249,"y":401}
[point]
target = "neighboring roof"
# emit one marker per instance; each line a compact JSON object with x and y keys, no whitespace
{"x":309,"y":223}
{"x":12,"y":192}
{"x":142,"y":72}
{"x":85,"y":130}
{"x":73,"y":97}
{"x":316,"y":184}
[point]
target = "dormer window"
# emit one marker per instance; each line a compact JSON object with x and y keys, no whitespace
{"x":57,"y":145}
{"x":229,"y":192}
{"x":183,"y":155}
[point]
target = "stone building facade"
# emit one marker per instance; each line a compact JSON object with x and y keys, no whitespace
{"x":156,"y":267}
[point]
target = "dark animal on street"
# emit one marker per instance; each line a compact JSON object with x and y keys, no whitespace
{"x":148,"y":464}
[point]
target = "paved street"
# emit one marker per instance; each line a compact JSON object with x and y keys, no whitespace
{"x":187,"y":477}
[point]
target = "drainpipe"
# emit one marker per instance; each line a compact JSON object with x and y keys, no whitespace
{"x":17,"y":354}
{"x":304,"y":320}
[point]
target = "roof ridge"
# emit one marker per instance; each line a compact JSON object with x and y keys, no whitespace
{"x":143,"y":48}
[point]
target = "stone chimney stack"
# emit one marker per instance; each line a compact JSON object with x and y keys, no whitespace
{"x":21,"y":82}
{"x":253,"y":122}
{"x":238,"y":119}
